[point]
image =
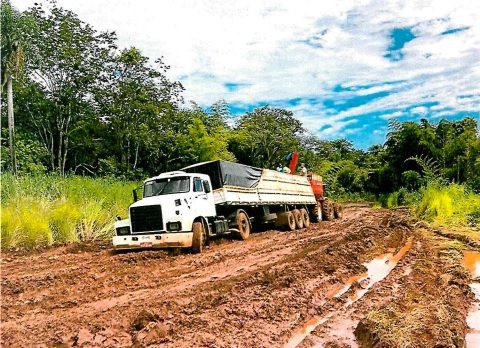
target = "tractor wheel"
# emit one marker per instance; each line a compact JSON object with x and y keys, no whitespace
{"x":337,"y":210}
{"x":327,"y":210}
{"x":243,"y":224}
{"x":305,"y":217}
{"x":316,"y":213}
{"x":298,"y":218}
{"x":199,"y":237}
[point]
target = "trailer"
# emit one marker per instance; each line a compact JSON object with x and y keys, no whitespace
{"x":186,"y":208}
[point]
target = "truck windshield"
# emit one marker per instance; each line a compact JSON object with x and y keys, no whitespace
{"x":166,"y":186}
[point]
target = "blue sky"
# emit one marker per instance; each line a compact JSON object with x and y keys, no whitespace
{"x":344,"y":68}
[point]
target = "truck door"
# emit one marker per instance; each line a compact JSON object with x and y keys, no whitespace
{"x":203,"y":203}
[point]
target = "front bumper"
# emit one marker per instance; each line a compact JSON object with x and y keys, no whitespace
{"x":164,"y":240}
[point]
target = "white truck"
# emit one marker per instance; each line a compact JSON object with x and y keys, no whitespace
{"x":186,"y":208}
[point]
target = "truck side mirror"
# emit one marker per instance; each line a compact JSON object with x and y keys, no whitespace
{"x":135,"y":196}
{"x":135,"y":193}
{"x":206,"y":186}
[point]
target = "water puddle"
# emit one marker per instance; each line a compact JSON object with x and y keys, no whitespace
{"x":471,"y":261}
{"x":377,"y":270}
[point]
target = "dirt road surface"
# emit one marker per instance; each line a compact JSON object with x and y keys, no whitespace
{"x":307,"y":288}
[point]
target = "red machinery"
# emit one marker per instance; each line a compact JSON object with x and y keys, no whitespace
{"x":315,"y":180}
{"x":317,"y":185}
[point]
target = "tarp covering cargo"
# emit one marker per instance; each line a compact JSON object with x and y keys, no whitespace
{"x":224,"y":173}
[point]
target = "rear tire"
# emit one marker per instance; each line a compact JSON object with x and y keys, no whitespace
{"x":316,"y":213}
{"x":290,"y":221}
{"x":298,"y":218}
{"x":199,"y":237}
{"x":337,"y":210}
{"x":327,"y":210}
{"x":243,"y":224}
{"x":305,"y":217}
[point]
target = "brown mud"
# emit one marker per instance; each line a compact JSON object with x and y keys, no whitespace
{"x":335,"y":284}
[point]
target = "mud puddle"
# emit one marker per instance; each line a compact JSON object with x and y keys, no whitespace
{"x":377,"y":270}
{"x":471,"y":261}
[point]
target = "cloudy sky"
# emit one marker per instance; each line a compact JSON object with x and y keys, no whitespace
{"x":343,"y":67}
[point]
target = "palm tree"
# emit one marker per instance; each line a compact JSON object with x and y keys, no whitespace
{"x":12,"y":58}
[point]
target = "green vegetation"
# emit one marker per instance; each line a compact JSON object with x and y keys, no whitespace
{"x":41,"y":210}
{"x":85,"y":107}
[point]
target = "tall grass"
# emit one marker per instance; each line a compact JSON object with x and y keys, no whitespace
{"x":42,"y":210}
{"x":439,"y":203}
{"x":448,"y":205}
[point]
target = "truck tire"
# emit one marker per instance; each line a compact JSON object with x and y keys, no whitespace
{"x":298,"y":218}
{"x":327,"y":210}
{"x":286,"y":221}
{"x":337,"y":210}
{"x":243,"y":224}
{"x":316,"y":213}
{"x":198,"y":241}
{"x":290,"y":226}
{"x":305,"y":217}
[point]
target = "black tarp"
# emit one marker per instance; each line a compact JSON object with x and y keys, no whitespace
{"x":227,"y":173}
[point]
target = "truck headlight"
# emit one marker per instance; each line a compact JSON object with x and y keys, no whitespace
{"x":174,"y":226}
{"x":123,"y":231}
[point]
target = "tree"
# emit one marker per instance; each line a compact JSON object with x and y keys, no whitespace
{"x":66,"y":62}
{"x":15,"y":26}
{"x":265,"y":136}
{"x":137,"y":97}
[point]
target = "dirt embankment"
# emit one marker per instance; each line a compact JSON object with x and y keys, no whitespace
{"x":320,"y":285}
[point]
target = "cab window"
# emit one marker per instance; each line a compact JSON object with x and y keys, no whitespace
{"x":197,"y":185}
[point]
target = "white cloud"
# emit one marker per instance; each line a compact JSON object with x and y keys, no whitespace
{"x":284,"y":49}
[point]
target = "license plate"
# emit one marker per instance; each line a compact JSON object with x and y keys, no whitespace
{"x":146,"y":244}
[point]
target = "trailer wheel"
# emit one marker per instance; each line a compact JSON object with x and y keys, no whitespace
{"x":290,"y":221}
{"x":337,"y":210}
{"x":198,"y":241}
{"x":305,"y":217}
{"x":298,"y":218}
{"x":327,"y":210}
{"x":243,"y":225}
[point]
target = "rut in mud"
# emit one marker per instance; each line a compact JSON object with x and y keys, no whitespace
{"x":306,"y":288}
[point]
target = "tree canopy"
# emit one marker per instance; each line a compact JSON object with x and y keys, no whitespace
{"x":83,"y":106}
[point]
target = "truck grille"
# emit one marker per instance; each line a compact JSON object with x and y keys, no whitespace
{"x":146,"y":218}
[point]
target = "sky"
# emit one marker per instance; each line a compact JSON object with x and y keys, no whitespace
{"x":344,"y":68}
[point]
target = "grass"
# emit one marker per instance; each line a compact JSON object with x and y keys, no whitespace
{"x":439,"y":204}
{"x":47,"y":209}
{"x":450,"y":205}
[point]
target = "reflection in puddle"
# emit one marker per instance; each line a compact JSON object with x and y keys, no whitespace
{"x":377,"y":270}
{"x":471,"y":261}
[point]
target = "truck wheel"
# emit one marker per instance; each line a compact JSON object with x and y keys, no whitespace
{"x":337,"y":210}
{"x":327,"y":210}
{"x":290,"y":221}
{"x":243,"y":226}
{"x":305,"y":217}
{"x":298,"y":218}
{"x":198,"y":241}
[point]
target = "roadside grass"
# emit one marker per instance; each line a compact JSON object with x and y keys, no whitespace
{"x":449,"y":205}
{"x":47,"y":209}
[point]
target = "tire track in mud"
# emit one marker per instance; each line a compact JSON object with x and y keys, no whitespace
{"x":338,"y":324}
{"x":183,"y":289}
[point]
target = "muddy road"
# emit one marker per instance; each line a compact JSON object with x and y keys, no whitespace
{"x":322,"y":286}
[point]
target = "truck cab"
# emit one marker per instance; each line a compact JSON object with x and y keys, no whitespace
{"x":164,"y":217}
